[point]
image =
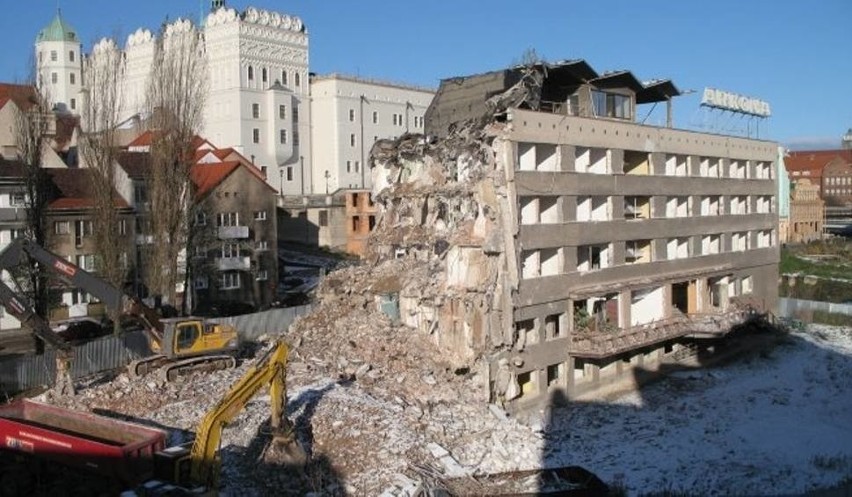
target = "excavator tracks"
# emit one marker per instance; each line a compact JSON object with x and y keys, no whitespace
{"x":171,"y":370}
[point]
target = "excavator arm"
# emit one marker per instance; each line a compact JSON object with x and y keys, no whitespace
{"x":21,"y":250}
{"x":270,"y":370}
{"x":23,"y":312}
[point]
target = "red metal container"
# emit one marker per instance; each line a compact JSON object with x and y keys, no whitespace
{"x":116,"y":449}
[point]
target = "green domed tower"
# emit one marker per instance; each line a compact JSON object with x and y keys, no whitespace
{"x":58,"y":55}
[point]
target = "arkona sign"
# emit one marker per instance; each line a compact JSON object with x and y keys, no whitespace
{"x":737,"y":103}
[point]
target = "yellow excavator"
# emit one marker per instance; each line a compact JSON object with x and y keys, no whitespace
{"x":197,"y":468}
{"x":180,"y":345}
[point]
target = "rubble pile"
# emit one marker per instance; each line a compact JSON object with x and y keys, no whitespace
{"x":389,"y":378}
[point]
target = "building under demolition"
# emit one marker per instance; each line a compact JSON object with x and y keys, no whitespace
{"x":549,"y":235}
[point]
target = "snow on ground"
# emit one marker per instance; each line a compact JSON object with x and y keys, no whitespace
{"x":775,"y":423}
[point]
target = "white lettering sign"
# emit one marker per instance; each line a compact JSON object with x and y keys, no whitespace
{"x":737,"y":103}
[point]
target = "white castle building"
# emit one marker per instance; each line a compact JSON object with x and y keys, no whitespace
{"x":259,"y":99}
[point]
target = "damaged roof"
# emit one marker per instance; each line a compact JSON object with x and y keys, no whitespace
{"x":73,"y":189}
{"x":462,"y":98}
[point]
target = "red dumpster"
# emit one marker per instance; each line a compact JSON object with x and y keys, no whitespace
{"x":119,"y":450}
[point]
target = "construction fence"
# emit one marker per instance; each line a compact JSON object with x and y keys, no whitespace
{"x":26,"y":372}
{"x":800,"y":309}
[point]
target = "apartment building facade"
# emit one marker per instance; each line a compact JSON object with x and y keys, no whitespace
{"x":627,"y":241}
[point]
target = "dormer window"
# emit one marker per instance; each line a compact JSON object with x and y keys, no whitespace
{"x":613,"y":105}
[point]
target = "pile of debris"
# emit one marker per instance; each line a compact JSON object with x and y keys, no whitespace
{"x":390,"y":378}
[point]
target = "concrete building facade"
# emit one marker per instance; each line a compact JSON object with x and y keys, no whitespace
{"x":580,"y":248}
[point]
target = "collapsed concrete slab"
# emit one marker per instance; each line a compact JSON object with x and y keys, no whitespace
{"x":538,"y":232}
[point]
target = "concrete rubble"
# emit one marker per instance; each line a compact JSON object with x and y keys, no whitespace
{"x":373,"y":396}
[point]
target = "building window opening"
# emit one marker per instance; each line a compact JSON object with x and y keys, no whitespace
{"x":555,"y":375}
{"x":527,"y":384}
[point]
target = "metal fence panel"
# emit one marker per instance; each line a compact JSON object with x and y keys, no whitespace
{"x":790,"y":308}
{"x":273,"y":321}
{"x":19,"y":373}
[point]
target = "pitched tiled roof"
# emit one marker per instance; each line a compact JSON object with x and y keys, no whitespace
{"x":74,"y":189}
{"x":24,"y":96}
{"x":146,"y":138}
{"x":135,"y":164}
{"x":814,"y":159}
{"x":208,"y":176}
{"x":11,"y":168}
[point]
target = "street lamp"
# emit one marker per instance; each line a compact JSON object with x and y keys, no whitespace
{"x":281,"y":182}
{"x":327,"y":175}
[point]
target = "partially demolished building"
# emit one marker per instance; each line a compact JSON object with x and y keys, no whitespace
{"x":549,"y":238}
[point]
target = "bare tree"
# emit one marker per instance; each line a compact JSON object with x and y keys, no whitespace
{"x":32,"y":125}
{"x":101,"y":110}
{"x":175,"y":99}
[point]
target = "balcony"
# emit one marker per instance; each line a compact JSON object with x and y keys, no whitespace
{"x":233,"y":263}
{"x":606,"y":344}
{"x":233,"y":232}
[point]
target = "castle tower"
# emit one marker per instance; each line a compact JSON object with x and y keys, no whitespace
{"x":58,"y":54}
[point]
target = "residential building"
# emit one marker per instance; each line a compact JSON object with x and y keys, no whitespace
{"x":71,"y":229}
{"x":349,"y":115}
{"x":361,"y":213}
{"x":589,"y":249}
{"x":235,"y":227}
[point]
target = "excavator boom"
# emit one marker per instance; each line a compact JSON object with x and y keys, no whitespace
{"x":270,"y":370}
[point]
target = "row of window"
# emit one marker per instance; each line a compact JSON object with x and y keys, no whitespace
{"x":229,"y":280}
{"x":54,"y":56}
{"x":227,"y":218}
{"x":552,"y":261}
{"x":595,"y":160}
{"x":282,"y":112}
{"x":266,"y":75}
{"x":846,"y":180}
{"x":838,"y":191}
{"x":548,"y":209}
{"x":398,"y":119}
{"x":283,"y":136}
{"x":230,"y":250}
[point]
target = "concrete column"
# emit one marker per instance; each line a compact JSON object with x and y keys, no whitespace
{"x":541,"y":374}
{"x":624,"y":308}
{"x":693,"y":165}
{"x":725,"y":165}
{"x":569,"y":328}
{"x":566,"y":158}
{"x":727,"y":242}
{"x":596,"y":372}
{"x":616,"y":160}
{"x":667,"y":300}
{"x":658,"y":246}
{"x":658,"y":206}
{"x":569,"y":258}
{"x":618,"y":252}
{"x":658,"y":163}
{"x":568,"y":208}
{"x":617,"y":206}
{"x":569,"y":372}
{"x":695,"y":245}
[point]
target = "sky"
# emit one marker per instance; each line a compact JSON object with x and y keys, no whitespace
{"x":793,"y":54}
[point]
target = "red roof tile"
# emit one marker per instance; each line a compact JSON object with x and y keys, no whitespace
{"x":74,"y":189}
{"x":24,"y":96}
{"x":814,"y":159}
{"x":208,"y":176}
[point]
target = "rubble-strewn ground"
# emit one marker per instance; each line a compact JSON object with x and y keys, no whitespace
{"x":370,"y":397}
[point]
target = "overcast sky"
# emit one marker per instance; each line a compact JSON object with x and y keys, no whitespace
{"x":793,"y":54}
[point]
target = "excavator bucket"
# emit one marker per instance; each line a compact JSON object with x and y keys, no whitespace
{"x":64,"y":384}
{"x":286,"y":450}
